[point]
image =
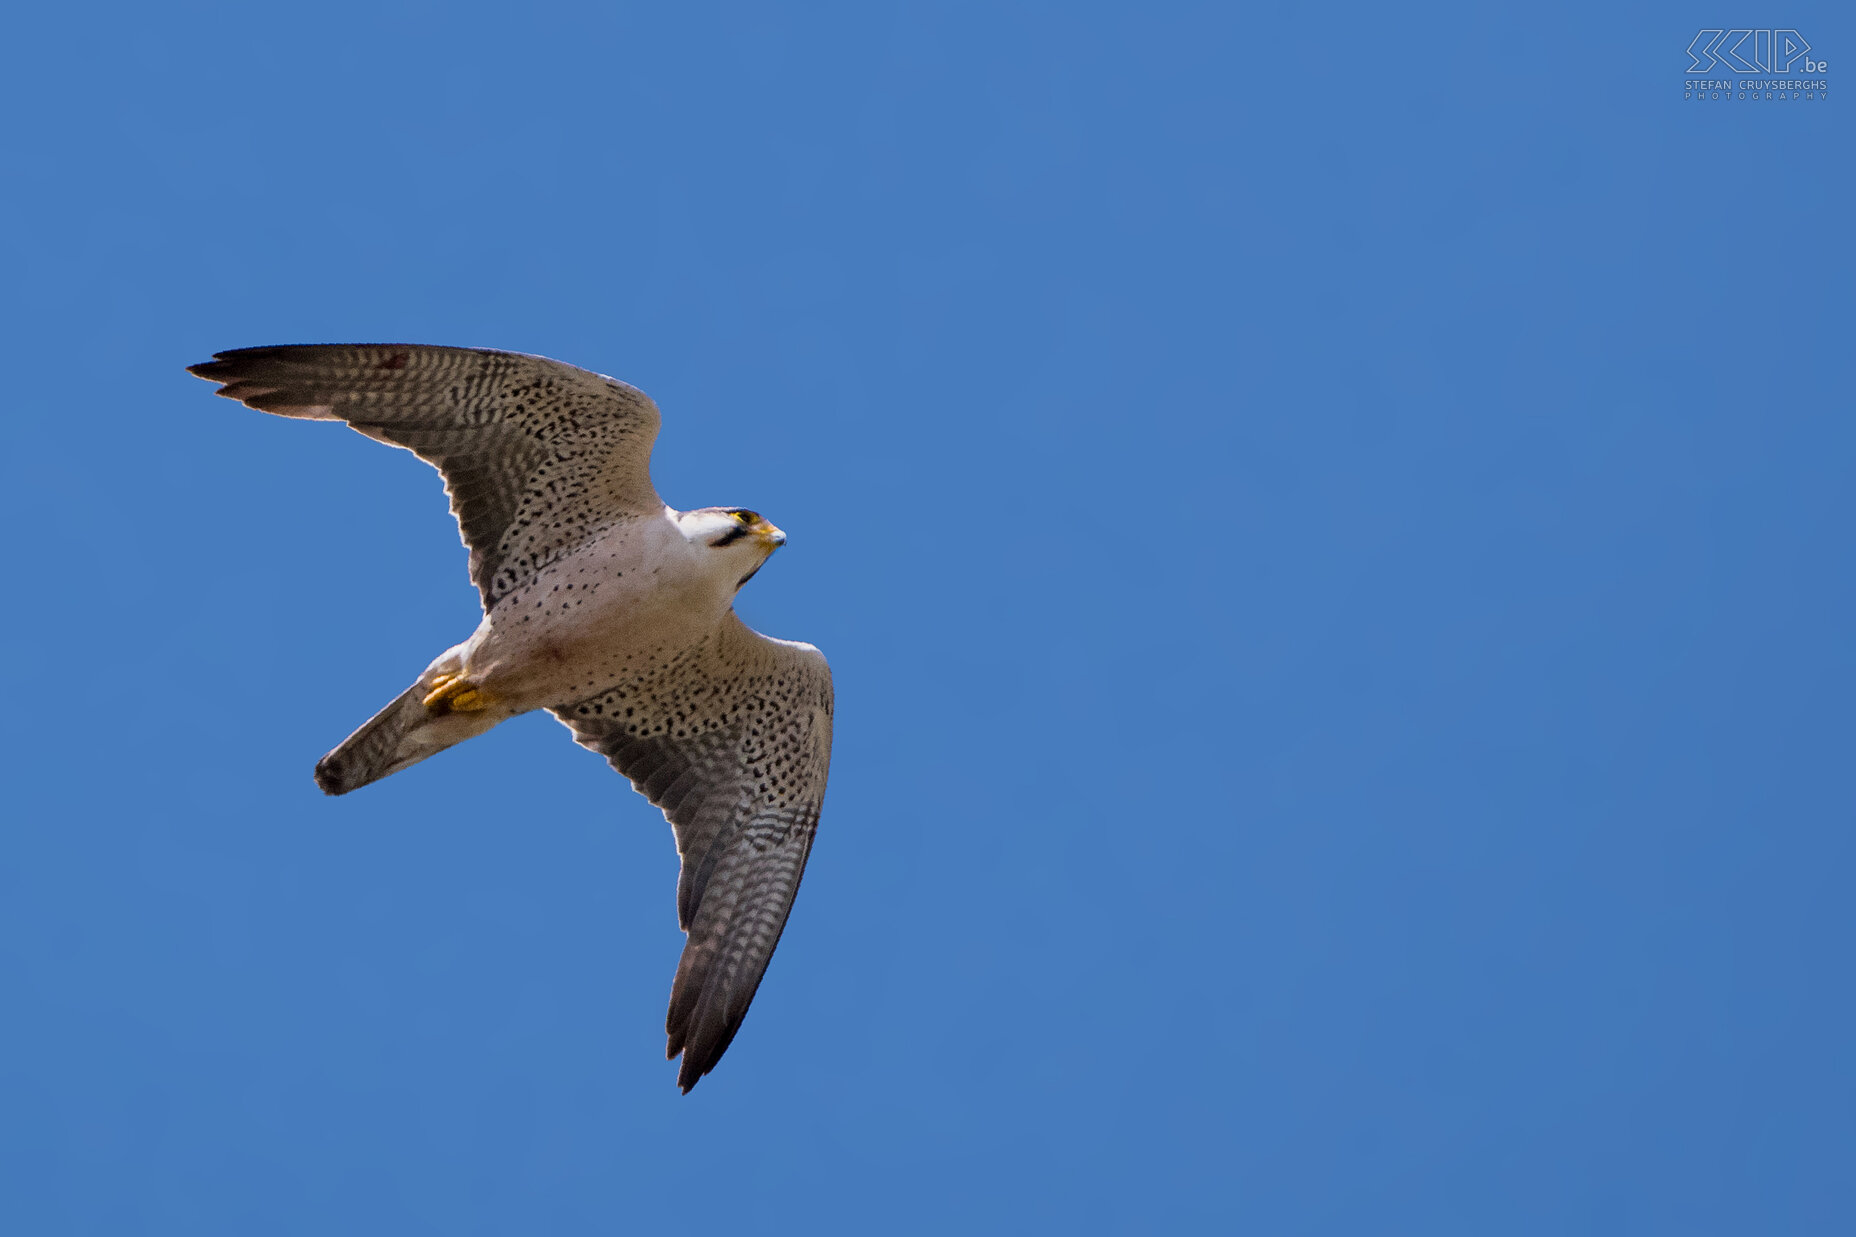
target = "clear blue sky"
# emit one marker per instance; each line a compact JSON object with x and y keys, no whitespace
{"x":1333,"y":532}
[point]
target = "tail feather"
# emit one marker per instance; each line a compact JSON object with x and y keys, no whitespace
{"x":378,"y":747}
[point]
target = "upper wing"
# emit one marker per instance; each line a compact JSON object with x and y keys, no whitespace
{"x":536,"y":455}
{"x":733,"y":741}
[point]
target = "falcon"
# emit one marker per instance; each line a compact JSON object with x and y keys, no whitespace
{"x":608,"y":608}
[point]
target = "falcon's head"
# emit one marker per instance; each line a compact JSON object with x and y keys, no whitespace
{"x":744,"y":538}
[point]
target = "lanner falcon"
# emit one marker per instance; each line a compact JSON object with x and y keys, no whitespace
{"x":609,"y":609}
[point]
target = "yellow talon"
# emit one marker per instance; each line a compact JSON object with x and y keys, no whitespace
{"x":453,"y":693}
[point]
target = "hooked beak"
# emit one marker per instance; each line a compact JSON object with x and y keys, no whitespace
{"x":768,"y":536}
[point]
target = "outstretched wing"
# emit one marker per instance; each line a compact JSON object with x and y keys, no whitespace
{"x":537,"y":455}
{"x":733,"y":741}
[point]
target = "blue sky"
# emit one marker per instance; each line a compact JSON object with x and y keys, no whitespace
{"x":1332,"y":530}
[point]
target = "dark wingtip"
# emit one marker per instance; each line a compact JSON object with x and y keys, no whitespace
{"x":329,"y":777}
{"x":700,"y":1058}
{"x":228,"y":363}
{"x":687,"y":1073}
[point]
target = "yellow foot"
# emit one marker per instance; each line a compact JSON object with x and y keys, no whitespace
{"x":453,"y":693}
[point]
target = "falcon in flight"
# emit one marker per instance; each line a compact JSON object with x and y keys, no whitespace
{"x":604,"y":606}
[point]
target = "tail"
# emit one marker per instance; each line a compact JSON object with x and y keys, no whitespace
{"x":397,"y":737}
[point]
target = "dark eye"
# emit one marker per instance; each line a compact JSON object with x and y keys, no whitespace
{"x":747,"y":517}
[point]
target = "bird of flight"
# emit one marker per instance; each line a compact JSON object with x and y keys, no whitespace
{"x":604,"y":606}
